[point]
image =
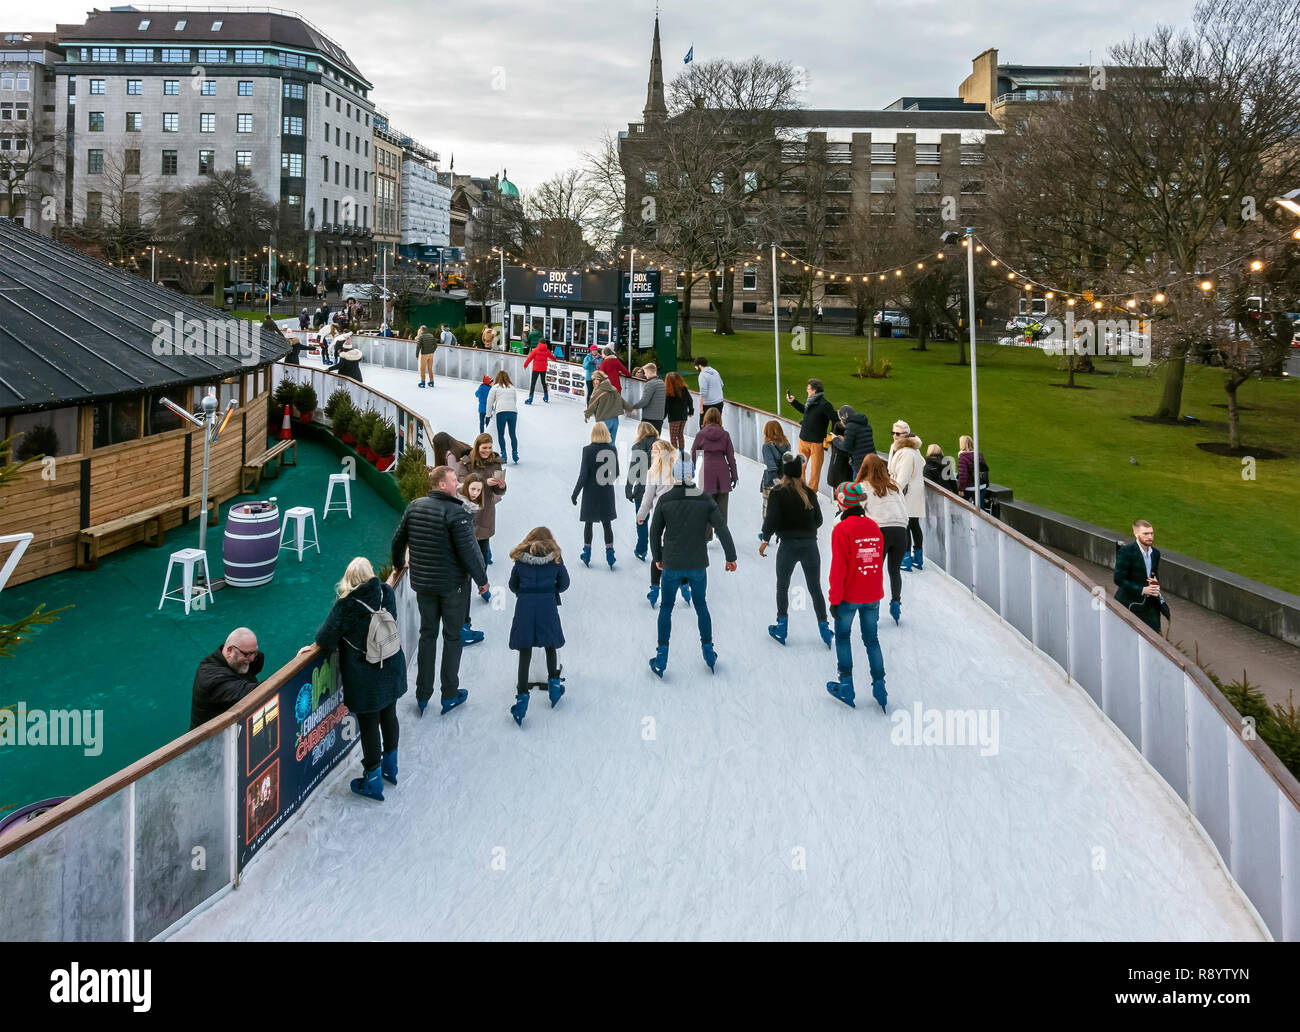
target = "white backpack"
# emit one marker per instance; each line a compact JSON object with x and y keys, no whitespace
{"x":382,"y":639}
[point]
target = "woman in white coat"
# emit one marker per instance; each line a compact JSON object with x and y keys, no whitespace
{"x":504,"y":405}
{"x":907,"y":468}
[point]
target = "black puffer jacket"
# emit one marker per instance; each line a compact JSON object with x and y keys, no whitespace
{"x":638,"y":468}
{"x":859,"y":441}
{"x":680,"y":527}
{"x":367,"y":687}
{"x":440,"y":533}
{"x":217,"y":687}
{"x":818,"y":414}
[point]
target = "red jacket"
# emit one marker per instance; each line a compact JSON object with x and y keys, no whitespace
{"x":613,"y":367}
{"x":538,"y":358}
{"x":857,"y":561}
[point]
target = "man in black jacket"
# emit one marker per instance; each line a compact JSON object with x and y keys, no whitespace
{"x":1137,"y":571}
{"x":226,"y":676}
{"x":818,"y":414}
{"x":679,"y":544}
{"x":439,"y":532}
{"x":857,"y":440}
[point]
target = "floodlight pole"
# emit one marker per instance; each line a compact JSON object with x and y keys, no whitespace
{"x":776,"y":331}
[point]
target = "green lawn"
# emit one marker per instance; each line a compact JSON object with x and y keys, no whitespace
{"x":1069,"y":450}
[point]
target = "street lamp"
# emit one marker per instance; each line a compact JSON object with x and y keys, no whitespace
{"x":207,"y":418}
{"x":954,"y":238}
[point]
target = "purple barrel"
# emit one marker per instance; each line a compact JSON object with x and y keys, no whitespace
{"x":251,"y":544}
{"x":28,"y":813}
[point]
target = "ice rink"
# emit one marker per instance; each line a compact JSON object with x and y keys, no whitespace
{"x":746,"y":804}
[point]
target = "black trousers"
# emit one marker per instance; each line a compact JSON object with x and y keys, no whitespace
{"x":538,"y":374}
{"x":606,"y":525}
{"x":799,"y":551}
{"x":526,"y":657}
{"x":452,"y":610}
{"x":914,"y":532}
{"x":372,"y":724}
{"x":705,"y":408}
{"x":895,"y":549}
{"x":658,"y":424}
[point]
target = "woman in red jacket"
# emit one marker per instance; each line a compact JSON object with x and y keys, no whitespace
{"x":538,"y":359}
{"x":856,"y":588}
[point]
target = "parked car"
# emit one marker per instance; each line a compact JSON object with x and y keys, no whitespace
{"x":365,"y":292}
{"x":897,"y":320}
{"x":249,"y":292}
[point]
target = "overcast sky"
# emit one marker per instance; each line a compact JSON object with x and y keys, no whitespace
{"x":528,"y":86}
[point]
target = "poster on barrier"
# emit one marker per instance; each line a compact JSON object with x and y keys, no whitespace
{"x":287,"y":746}
{"x":565,"y":378}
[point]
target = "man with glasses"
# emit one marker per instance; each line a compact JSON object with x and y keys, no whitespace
{"x":226,"y":676}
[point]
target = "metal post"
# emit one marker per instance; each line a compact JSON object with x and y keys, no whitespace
{"x":505,"y":340}
{"x":153,"y":263}
{"x":209,"y":416}
{"x":631,"y":266}
{"x":776,"y":331}
{"x":974,"y":400}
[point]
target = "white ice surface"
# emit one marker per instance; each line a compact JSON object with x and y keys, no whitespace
{"x":682,"y":808}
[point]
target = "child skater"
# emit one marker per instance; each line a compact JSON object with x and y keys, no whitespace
{"x":484,"y":389}
{"x":471,"y":493}
{"x":537,"y":579}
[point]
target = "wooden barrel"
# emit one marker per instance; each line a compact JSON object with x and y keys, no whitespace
{"x":251,"y":544}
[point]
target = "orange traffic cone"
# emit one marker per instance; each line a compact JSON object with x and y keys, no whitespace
{"x":285,"y":433}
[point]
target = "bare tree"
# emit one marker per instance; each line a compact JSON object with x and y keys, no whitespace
{"x":558,"y":212}
{"x":606,"y":187}
{"x":122,"y":226}
{"x":25,"y":152}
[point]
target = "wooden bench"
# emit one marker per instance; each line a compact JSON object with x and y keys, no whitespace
{"x":89,"y":538}
{"x":250,"y":477}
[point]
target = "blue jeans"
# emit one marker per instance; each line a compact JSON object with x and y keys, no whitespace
{"x":868,"y":614}
{"x":642,"y":537}
{"x":504,"y":420}
{"x":613,"y":428}
{"x":672,"y":579}
{"x":482,"y":419}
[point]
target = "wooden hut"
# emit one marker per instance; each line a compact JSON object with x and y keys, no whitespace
{"x":87,"y":352}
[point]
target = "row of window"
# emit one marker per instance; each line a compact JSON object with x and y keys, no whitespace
{"x":349,"y":214}
{"x":170,"y":162}
{"x":185,"y":55}
{"x":346,"y":141}
{"x":9,"y":142}
{"x":172,"y":87}
{"x":171,"y":122}
{"x":10,"y":112}
{"x":22,"y":81}
{"x":353,"y":178}
{"x":339,"y":106}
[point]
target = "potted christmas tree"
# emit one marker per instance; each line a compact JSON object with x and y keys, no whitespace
{"x":305,"y":398}
{"x":383,"y":442}
{"x":365,"y":429}
{"x":345,"y":424}
{"x":286,"y":393}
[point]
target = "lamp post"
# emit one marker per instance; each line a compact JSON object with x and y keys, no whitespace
{"x":505,"y":340}
{"x":631,"y":265}
{"x":205,"y":418}
{"x":952,"y":238}
{"x":776,"y":331}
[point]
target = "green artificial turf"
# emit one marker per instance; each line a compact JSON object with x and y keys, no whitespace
{"x":1069,"y":450}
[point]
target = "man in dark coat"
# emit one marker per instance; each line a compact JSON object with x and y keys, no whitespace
{"x":1137,"y":570}
{"x":679,"y":544}
{"x":439,"y":531}
{"x":226,"y":676}
{"x":818,"y":414}
{"x":857,"y":439}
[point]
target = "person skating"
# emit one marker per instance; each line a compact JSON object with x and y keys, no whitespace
{"x":443,"y":558}
{"x":373,"y":671}
{"x":659,"y":480}
{"x":589,"y":366}
{"x":856,"y":588}
{"x":426,"y":343}
{"x":678,"y":407}
{"x":538,"y":361}
{"x":884,"y":503}
{"x":503,"y":405}
{"x":710,"y":386}
{"x":682,"y":519}
{"x":596,"y":479}
{"x":720,"y":474}
{"x":818,"y":414}
{"x":613,"y":368}
{"x":907,"y":467}
{"x":794,"y":516}
{"x":489,"y":467}
{"x":651,"y":402}
{"x":538,"y":578}
{"x":775,"y":445}
{"x":481,"y":393}
{"x":638,"y":469}
{"x":606,"y":404}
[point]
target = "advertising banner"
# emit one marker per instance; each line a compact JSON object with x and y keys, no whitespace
{"x":286,"y":746}
{"x":566,"y":378}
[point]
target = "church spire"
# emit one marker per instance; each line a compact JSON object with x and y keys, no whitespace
{"x":655,"y":107}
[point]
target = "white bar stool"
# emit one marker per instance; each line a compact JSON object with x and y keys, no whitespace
{"x":335,"y":480}
{"x":297,"y":516}
{"x":187,"y":559}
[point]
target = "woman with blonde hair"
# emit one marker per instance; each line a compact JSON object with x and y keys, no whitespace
{"x":596,"y":478}
{"x":503,"y":403}
{"x":966,"y":470}
{"x":907,"y":467}
{"x":537,"y":580}
{"x":370,"y":689}
{"x":637,"y":470}
{"x":886,"y":506}
{"x":659,"y":479}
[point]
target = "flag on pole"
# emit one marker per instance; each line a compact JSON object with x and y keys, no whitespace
{"x":690,"y":55}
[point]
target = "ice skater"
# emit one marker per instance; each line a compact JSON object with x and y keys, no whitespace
{"x":538,"y":579}
{"x":678,"y":541}
{"x":775,"y":445}
{"x":856,"y":588}
{"x":484,"y":389}
{"x":887,"y":507}
{"x":638,"y":469}
{"x":659,"y":480}
{"x":503,"y":405}
{"x":596,"y":479}
{"x":486,"y":466}
{"x":794,"y":516}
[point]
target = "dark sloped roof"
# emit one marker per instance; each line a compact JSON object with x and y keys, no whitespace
{"x":894,"y":119}
{"x":75,"y":330}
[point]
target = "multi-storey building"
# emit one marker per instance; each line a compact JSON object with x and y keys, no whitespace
{"x":424,"y":222}
{"x":386,"y":196}
{"x":28,"y":141}
{"x":164,"y":97}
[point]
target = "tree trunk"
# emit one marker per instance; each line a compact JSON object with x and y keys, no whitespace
{"x":961,"y":349}
{"x":728,"y":302}
{"x":859,"y":320}
{"x":219,"y":284}
{"x":1171,"y":399}
{"x":922,"y":335}
{"x":684,"y":322}
{"x":1069,"y":366}
{"x":1234,"y":427}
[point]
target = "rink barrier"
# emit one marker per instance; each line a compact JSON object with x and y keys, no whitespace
{"x":113,"y":862}
{"x":133,"y":855}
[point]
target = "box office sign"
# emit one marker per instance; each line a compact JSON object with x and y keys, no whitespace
{"x":559,"y":286}
{"x":287,"y":746}
{"x":645,"y":285}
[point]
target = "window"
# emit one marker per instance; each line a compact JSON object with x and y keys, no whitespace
{"x":295,"y":200}
{"x":95,"y":161}
{"x":103,"y":53}
{"x":209,"y":87}
{"x":327,"y":132}
{"x":24,"y":82}
{"x":96,"y":121}
{"x":347,"y":140}
{"x":927,"y":182}
{"x":94,"y":208}
{"x":117,"y":421}
{"x":206,"y":162}
{"x":292,"y":125}
{"x":293,"y":91}
{"x":248,"y":57}
{"x":172,"y":122}
{"x":169,"y":162}
{"x":132,"y":162}
{"x":244,"y":160}
{"x":216,"y":26}
{"x":367,"y":148}
{"x":288,"y":60}
{"x":131,"y":207}
{"x":336,"y":213}
{"x":751,"y":182}
{"x":6,"y":81}
{"x":882,"y":153}
{"x":336,"y":173}
{"x":882,"y":182}
{"x":209,"y":57}
{"x":291,"y":164}
{"x":134,"y":121}
{"x":144,"y":24}
{"x":750,"y":280}
{"x":243,"y":123}
{"x":336,"y":136}
{"x":325,"y":178}
{"x":927,"y":153}
{"x":717,"y":182}
{"x":175,"y":55}
{"x":207,"y":122}
{"x":144,"y":54}
{"x":171,"y":87}
{"x":96,"y":85}
{"x":63,"y":423}
{"x":134,"y":87}
{"x":245,"y":87}
{"x":180,"y":25}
